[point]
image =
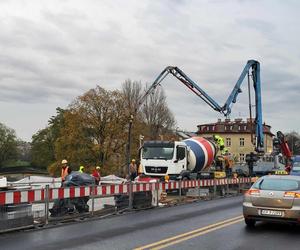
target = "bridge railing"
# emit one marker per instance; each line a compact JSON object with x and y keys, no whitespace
{"x":37,"y":207}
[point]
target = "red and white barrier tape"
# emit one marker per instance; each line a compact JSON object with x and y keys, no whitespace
{"x":37,"y":195}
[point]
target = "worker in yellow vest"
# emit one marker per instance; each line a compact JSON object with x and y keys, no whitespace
{"x":220,"y":142}
{"x":81,"y":169}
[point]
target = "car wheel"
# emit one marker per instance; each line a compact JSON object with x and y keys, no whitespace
{"x":250,"y":222}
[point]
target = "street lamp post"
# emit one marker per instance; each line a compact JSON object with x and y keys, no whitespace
{"x":141,"y":140}
{"x":128,"y":160}
{"x":129,"y":143}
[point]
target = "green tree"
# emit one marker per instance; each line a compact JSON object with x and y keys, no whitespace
{"x":42,"y":148}
{"x":8,"y":144}
{"x":74,"y":143}
{"x":57,"y":122}
{"x":43,"y":142}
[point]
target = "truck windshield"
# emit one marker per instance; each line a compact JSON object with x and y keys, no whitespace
{"x":158,"y":153}
{"x":296,"y":166}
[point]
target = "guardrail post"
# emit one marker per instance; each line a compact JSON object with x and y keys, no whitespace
{"x":199,"y":189}
{"x":47,"y":205}
{"x":180,"y":186}
{"x":215,"y":189}
{"x":243,"y":183}
{"x":227,"y":186}
{"x":239,"y":185}
{"x":157,"y":192}
{"x":130,"y":196}
{"x":93,"y":199}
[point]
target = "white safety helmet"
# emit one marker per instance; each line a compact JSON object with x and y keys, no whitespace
{"x":64,"y":161}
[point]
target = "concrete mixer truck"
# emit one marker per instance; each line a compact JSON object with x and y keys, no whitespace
{"x":188,"y":158}
{"x":192,"y":156}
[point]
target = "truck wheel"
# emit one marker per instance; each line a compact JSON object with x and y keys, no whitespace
{"x":250,"y":223}
{"x":222,"y":191}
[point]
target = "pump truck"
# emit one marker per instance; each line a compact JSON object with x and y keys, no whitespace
{"x":190,"y":157}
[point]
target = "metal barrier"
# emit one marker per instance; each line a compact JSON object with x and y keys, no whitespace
{"x":31,"y":206}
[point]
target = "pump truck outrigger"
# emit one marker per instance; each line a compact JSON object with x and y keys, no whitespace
{"x":281,"y":146}
{"x":189,"y":157}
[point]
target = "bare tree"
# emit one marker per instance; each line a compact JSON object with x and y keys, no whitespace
{"x":157,"y":115}
{"x":132,"y":91}
{"x":95,"y":127}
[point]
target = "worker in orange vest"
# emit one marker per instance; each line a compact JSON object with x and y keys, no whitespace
{"x":65,"y":170}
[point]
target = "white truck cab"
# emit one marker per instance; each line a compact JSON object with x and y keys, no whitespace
{"x":160,"y":158}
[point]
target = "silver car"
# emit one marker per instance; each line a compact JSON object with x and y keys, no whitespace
{"x":273,"y":198}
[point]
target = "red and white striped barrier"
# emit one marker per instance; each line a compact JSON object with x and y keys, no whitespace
{"x":38,"y":195}
{"x":143,"y":187}
{"x":26,"y":196}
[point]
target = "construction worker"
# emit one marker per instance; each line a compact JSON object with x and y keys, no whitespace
{"x":167,"y":178}
{"x":228,"y":164}
{"x":235,"y":175}
{"x":65,"y":170}
{"x":220,"y":142}
{"x":250,"y":162}
{"x":96,"y":175}
{"x":288,"y":166}
{"x":132,"y":170}
{"x":140,"y":169}
{"x":81,"y":169}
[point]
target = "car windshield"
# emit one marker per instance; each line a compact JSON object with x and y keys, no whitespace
{"x":158,"y":153}
{"x":277,"y":184}
{"x":296,"y":166}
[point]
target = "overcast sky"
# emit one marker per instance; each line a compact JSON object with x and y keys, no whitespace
{"x":53,"y":51}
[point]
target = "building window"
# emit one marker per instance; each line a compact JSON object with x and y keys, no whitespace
{"x":239,"y":127}
{"x":242,"y":157}
{"x":228,"y":142}
{"x":242,"y":142}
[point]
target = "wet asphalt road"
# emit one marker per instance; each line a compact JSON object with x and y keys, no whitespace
{"x":141,"y":228}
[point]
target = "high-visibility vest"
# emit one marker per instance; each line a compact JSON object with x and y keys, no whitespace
{"x":64,"y":173}
{"x":140,"y":169}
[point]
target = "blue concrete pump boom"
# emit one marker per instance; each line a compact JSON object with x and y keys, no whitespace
{"x":226,"y":108}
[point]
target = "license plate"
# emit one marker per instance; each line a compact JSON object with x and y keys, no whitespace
{"x":271,"y":212}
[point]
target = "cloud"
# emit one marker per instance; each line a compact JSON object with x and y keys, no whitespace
{"x":257,"y":25}
{"x":53,"y":51}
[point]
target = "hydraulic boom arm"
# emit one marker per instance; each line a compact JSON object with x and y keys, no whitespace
{"x":226,"y":108}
